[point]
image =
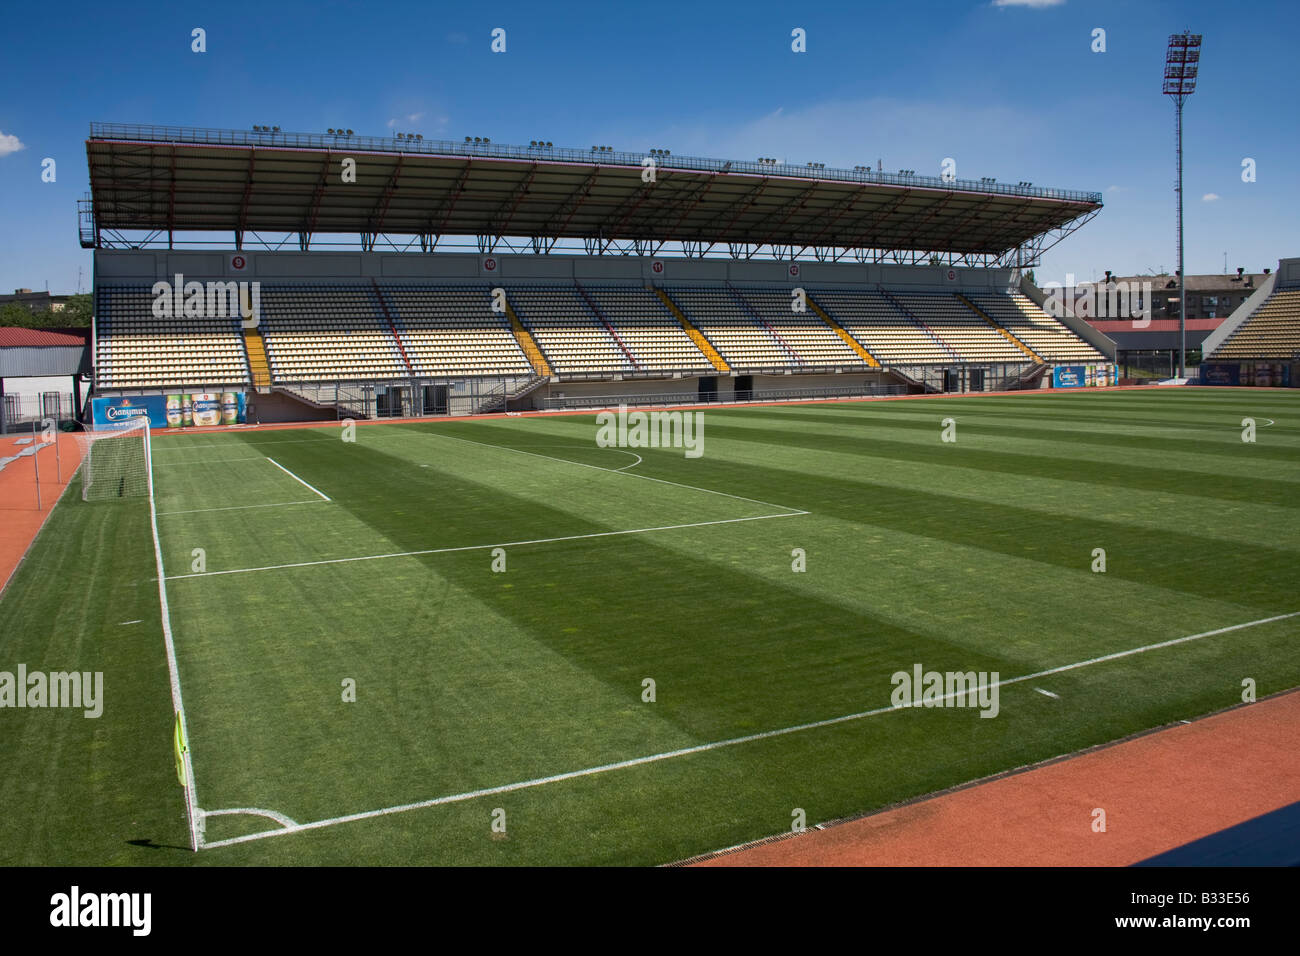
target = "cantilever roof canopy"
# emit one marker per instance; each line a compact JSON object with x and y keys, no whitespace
{"x":179,"y":180}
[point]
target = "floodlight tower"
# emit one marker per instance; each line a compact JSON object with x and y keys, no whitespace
{"x":1182,"y":60}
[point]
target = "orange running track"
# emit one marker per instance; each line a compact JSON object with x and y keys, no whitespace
{"x":20,"y":520}
{"x":1159,"y":790}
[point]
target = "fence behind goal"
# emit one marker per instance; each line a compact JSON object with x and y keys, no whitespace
{"x":115,"y":463}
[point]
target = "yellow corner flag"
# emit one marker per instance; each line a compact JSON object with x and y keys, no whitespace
{"x":178,"y":744}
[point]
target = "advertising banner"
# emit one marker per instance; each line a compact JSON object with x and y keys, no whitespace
{"x":205,"y":409}
{"x":1068,"y":376}
{"x":1220,"y":373}
{"x":121,"y":411}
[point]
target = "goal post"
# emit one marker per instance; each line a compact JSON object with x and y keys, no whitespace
{"x":115,"y":462}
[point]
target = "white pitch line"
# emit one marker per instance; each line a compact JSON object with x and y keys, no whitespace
{"x":716,"y":745}
{"x":234,"y":443}
{"x":613,"y":471}
{"x":173,"y":669}
{"x":296,"y":478}
{"x":209,"y":461}
{"x":125,"y":623}
{"x":272,"y":504}
{"x":279,"y":818}
{"x":481,"y":547}
{"x":1048,"y":693}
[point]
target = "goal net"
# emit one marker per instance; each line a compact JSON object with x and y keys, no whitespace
{"x":115,"y":462}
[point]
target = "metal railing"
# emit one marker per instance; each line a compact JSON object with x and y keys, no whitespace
{"x":131,"y":132}
{"x":553,"y":403}
{"x":23,"y":412}
{"x":659,"y":373}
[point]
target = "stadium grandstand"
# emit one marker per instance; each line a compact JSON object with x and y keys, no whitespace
{"x":1259,"y":344}
{"x":393,"y":277}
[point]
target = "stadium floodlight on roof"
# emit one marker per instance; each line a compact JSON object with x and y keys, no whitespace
{"x":1182,"y":63}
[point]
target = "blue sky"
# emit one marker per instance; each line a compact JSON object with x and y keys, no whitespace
{"x":1008,"y":89}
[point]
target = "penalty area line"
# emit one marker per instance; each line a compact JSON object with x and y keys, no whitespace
{"x":715,"y":745}
{"x":207,"y":461}
{"x":481,"y":547}
{"x":296,"y":478}
{"x":272,"y":504}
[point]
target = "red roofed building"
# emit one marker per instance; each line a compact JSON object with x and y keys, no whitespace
{"x":41,"y":374}
{"x":41,"y":338}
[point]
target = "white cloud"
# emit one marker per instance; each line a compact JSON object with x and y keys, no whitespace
{"x":1032,"y":4}
{"x":1116,"y":189}
{"x":413,"y":117}
{"x":1210,"y":197}
{"x":9,"y":144}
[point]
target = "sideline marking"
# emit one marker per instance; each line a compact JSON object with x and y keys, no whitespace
{"x":1048,"y":693}
{"x":701,"y":748}
{"x":190,"y":786}
{"x":296,"y":478}
{"x":273,"y":504}
{"x":480,"y":547}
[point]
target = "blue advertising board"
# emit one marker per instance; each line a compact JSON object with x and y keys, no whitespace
{"x":1068,"y":376}
{"x":1220,"y":373}
{"x":120,"y":411}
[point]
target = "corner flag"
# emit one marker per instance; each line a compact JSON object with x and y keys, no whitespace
{"x":178,"y":744}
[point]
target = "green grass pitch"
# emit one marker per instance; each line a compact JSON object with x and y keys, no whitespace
{"x":968,"y":555}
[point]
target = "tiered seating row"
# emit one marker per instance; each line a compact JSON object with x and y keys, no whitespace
{"x":881,"y":328}
{"x":973,"y":339}
{"x":345,"y":332}
{"x":1272,"y":332}
{"x":569,"y":334}
{"x":649,"y":331}
{"x":325,"y":333}
{"x":453,"y":331}
{"x":813,"y":340}
{"x":741,"y":341}
{"x":1050,"y":340}
{"x":134,"y":349}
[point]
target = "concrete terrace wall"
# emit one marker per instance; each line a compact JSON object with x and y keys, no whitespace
{"x":1102,"y":343}
{"x":726,"y":385}
{"x":1238,"y":318}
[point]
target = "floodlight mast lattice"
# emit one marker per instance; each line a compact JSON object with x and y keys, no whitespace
{"x":1182,"y":60}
